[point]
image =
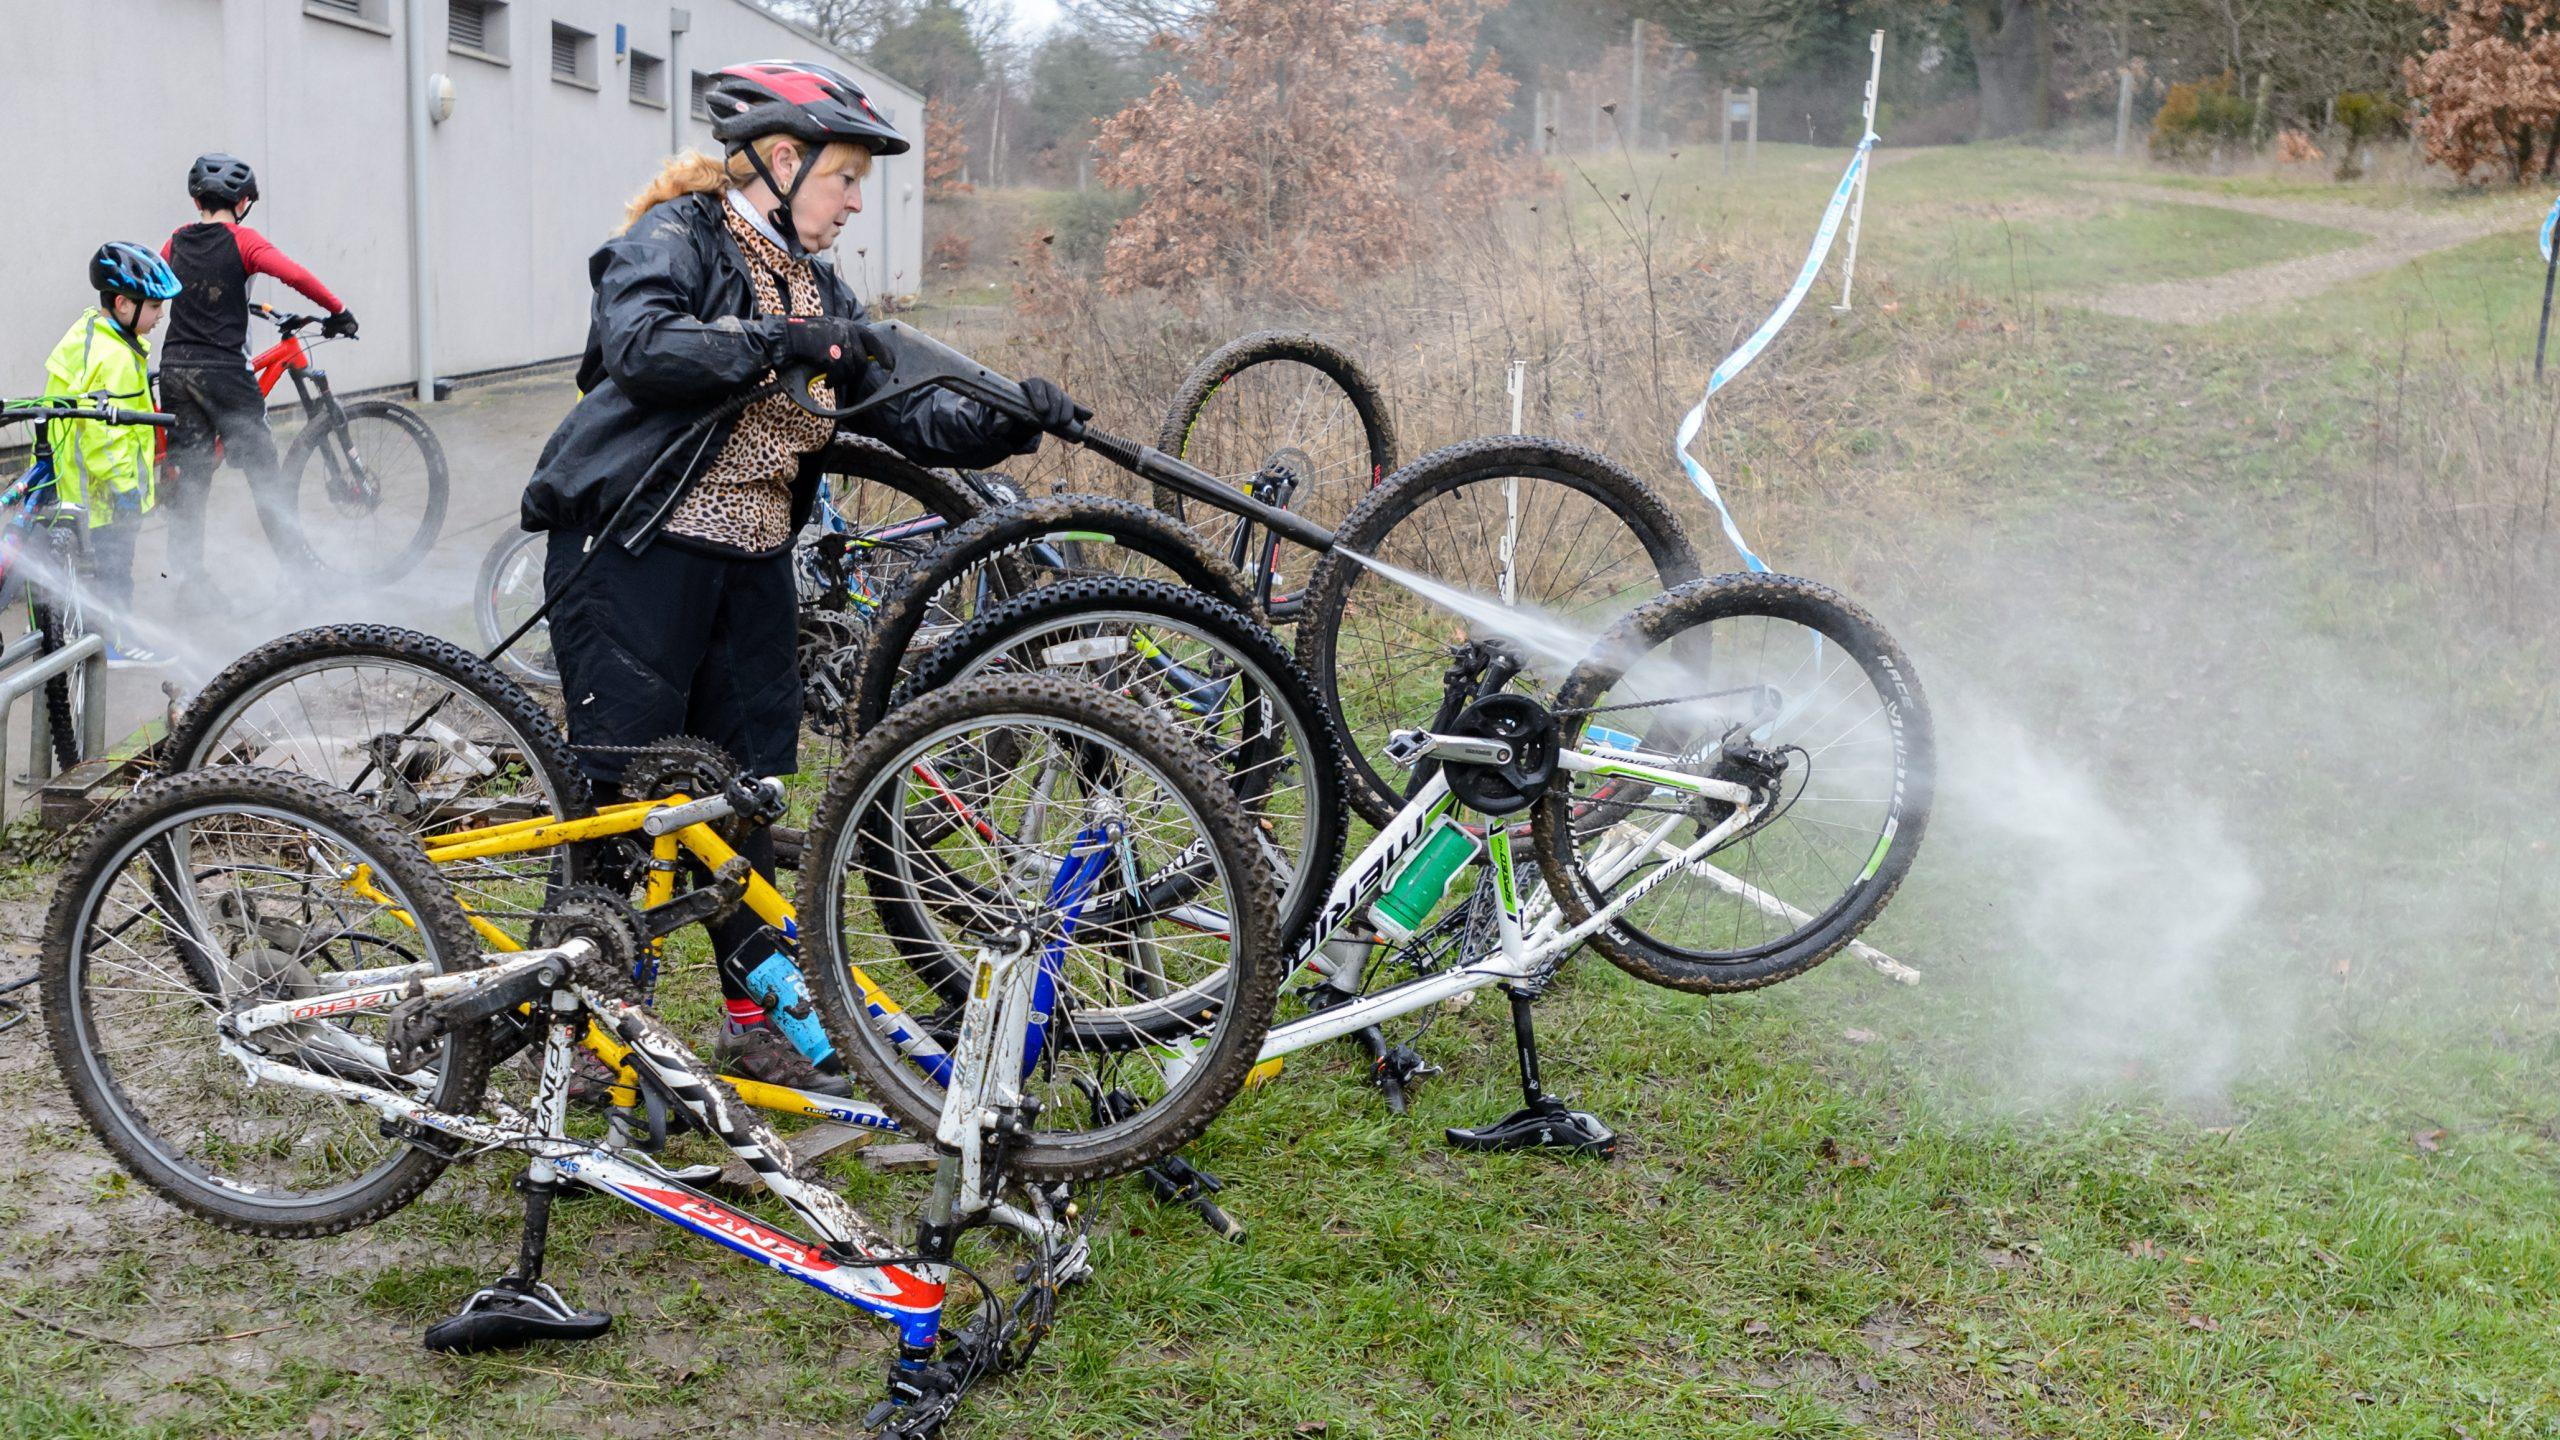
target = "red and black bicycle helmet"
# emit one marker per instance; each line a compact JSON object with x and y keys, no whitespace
{"x":815,"y":104}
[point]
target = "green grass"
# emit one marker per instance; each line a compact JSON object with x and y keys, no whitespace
{"x":2122,"y":243}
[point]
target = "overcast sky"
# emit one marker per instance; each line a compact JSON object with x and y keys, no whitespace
{"x":1031,"y":17}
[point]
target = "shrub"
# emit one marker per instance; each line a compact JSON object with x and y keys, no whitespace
{"x":2198,"y":115}
{"x":2363,"y":116}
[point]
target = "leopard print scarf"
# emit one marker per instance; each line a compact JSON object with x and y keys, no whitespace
{"x":743,"y":501}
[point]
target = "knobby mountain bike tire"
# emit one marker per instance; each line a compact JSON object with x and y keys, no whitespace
{"x":841,"y":875}
{"x":1594,"y":541}
{"x":253,"y":710}
{"x":1297,"y":737}
{"x":1285,"y":396}
{"x":394,"y":444}
{"x":98,"y":914}
{"x":1835,"y":696}
{"x":1013,"y":549}
{"x":60,"y":621}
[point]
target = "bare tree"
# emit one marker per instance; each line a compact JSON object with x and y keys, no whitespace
{"x":1133,"y":24}
{"x":845,"y":24}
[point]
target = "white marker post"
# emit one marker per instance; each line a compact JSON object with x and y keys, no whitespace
{"x":1518,"y":384}
{"x":1858,"y":202}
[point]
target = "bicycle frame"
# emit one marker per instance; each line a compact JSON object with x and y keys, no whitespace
{"x":520,"y":837}
{"x":845,"y":1260}
{"x":1531,"y":940}
{"x":1079,"y":871}
{"x":291,"y":356}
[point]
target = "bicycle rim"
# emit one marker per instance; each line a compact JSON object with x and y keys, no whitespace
{"x":248,"y":886}
{"x":1289,"y":410}
{"x":1067,"y":821}
{"x":1767,"y":682}
{"x":1235,"y":706}
{"x":369,"y":495}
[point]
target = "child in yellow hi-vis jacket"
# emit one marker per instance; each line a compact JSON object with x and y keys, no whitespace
{"x":105,"y":470}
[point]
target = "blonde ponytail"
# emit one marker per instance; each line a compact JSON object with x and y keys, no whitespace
{"x":690,"y":172}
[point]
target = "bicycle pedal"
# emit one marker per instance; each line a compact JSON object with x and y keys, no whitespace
{"x":503,"y":1317}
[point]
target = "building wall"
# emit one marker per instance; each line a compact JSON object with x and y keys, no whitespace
{"x":106,"y":102}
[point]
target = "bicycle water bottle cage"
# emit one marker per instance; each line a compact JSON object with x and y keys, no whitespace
{"x":1521,"y":726}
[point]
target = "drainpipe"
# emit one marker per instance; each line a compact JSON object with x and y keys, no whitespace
{"x":413,"y":25}
{"x":679,"y":80}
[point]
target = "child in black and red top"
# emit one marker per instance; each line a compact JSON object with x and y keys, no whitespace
{"x":204,"y":371}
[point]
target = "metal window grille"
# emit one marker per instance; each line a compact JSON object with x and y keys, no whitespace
{"x":468,"y":27}
{"x":569,"y":52}
{"x":644,"y":77}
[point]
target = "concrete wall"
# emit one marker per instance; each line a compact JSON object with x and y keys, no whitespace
{"x":104,"y":102}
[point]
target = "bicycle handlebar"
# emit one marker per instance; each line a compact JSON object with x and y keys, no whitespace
{"x":925,"y":363}
{"x":287,"y":322}
{"x":59,"y":407}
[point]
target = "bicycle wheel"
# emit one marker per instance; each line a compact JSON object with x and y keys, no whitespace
{"x":882,"y":514}
{"x":60,"y":620}
{"x":1544,"y":543}
{"x":1017,"y":548}
{"x":509,"y":590}
{"x":1288,"y":416}
{"x":1764,"y":680}
{"x":435,"y":737}
{"x":1046,"y":812}
{"x":1207,"y":668}
{"x":247,"y":866}
{"x":371,"y":507}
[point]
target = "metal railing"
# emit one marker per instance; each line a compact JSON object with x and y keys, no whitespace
{"x":21,"y":677}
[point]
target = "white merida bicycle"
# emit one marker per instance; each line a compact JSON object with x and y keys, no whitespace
{"x":1725,"y":790}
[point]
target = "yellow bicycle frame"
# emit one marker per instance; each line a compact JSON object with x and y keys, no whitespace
{"x":547,"y":832}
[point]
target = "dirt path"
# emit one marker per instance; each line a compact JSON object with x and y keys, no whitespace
{"x":2392,"y":237}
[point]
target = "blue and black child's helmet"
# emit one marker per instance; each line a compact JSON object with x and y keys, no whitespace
{"x":221,"y":182}
{"x":123,"y":268}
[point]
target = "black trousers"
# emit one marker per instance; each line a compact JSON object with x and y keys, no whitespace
{"x":681,"y":642}
{"x":221,"y":402}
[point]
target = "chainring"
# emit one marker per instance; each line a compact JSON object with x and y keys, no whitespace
{"x":679,"y":765}
{"x":596,"y":914}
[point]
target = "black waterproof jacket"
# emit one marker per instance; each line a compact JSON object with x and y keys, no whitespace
{"x":673,"y":333}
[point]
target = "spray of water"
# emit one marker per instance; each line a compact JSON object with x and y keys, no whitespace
{"x":1550,"y":644}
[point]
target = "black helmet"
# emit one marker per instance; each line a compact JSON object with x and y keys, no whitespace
{"x":814,"y":104}
{"x":221,"y":182}
{"x":123,"y":268}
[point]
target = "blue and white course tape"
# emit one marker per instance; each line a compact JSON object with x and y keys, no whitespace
{"x":1750,"y":349}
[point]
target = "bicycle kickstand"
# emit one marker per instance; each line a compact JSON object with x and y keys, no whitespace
{"x":520,"y":1309}
{"x":1543,"y":1122}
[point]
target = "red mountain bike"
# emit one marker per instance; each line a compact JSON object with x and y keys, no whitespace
{"x":368,"y":477}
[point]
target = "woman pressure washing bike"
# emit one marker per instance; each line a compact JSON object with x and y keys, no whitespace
{"x":687,"y":622}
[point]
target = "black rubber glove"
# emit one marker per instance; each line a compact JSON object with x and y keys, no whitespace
{"x":835,"y":345}
{"x":1050,"y":406}
{"x":341,"y":326}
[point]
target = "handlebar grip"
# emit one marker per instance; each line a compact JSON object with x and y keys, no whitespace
{"x":158,"y":418}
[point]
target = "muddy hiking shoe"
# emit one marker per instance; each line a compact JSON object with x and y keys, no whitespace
{"x":762,"y":1052}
